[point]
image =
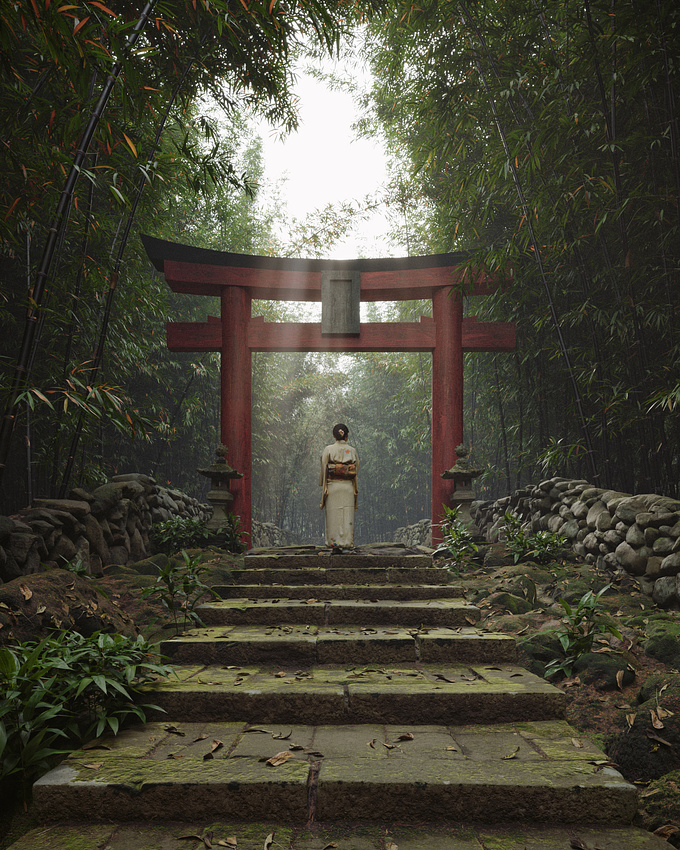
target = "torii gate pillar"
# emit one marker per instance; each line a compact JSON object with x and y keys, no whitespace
{"x":447,"y":393}
{"x":236,"y":394}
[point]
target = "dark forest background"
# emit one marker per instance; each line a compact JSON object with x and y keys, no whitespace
{"x":541,"y":137}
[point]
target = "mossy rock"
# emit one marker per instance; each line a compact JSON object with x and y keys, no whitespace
{"x":513,"y":604}
{"x":600,"y":670}
{"x":498,"y":555}
{"x":660,"y":805}
{"x":642,"y":751}
{"x":663,"y":641}
{"x":149,"y":566}
{"x":539,"y":650}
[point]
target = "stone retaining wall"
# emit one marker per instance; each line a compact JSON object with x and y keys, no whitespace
{"x":639,"y":534}
{"x":110,"y":525}
{"x":268,"y":534}
{"x":418,"y":534}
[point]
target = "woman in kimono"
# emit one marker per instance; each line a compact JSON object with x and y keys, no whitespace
{"x":339,"y":463}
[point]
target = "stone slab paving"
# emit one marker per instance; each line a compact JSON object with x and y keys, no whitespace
{"x":441,"y":612}
{"x":530,"y":771}
{"x":339,"y":591}
{"x":442,"y":693}
{"x":282,"y":575}
{"x":252,"y":836}
{"x":306,"y":645}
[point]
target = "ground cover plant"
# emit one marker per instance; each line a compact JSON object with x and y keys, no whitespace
{"x":64,"y":689}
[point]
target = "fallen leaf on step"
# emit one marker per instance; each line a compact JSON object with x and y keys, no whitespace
{"x":453,"y":749}
{"x":656,"y":722}
{"x":294,"y":747}
{"x":281,"y":737}
{"x":407,"y":736}
{"x":577,"y":844}
{"x":227,"y":842}
{"x":371,"y":744}
{"x":390,"y":746}
{"x":330,"y":845}
{"x":175,"y":755}
{"x":444,"y":678}
{"x":619,"y":679}
{"x":269,"y":840}
{"x":26,"y":592}
{"x":630,"y":720}
{"x":511,"y":755}
{"x":216,"y":745}
{"x":95,"y":766}
{"x":201,"y":737}
{"x":264,"y":731}
{"x":280,"y":758}
{"x":280,"y":674}
{"x":471,"y":621}
{"x":577,"y":743}
{"x":174,"y":730}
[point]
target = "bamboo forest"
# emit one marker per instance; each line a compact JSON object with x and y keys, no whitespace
{"x":538,"y":136}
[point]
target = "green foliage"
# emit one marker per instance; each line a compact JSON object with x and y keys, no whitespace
{"x":228,"y":536}
{"x":55,"y":693}
{"x":457,"y":539}
{"x":582,"y":624}
{"x":180,"y":589}
{"x":173,"y":535}
{"x":539,"y":546}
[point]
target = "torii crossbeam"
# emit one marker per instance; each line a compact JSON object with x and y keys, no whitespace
{"x":238,"y":278}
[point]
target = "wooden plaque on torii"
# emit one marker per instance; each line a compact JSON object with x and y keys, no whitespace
{"x":238,"y":278}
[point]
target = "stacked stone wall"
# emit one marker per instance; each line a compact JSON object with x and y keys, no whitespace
{"x":418,"y":534}
{"x":109,"y":525}
{"x":267,"y":534}
{"x":639,"y":534}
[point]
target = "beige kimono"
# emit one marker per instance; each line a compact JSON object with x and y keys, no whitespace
{"x":339,"y":496}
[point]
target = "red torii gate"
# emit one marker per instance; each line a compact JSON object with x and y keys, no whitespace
{"x":238,"y":278}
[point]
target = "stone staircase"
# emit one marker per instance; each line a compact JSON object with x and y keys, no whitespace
{"x":349,"y":701}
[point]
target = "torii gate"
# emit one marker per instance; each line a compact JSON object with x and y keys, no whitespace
{"x":238,"y":278}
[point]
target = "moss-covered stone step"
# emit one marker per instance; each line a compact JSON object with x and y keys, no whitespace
{"x":340,"y":591}
{"x":307,"y":645}
{"x":527,"y":772}
{"x":477,"y":693}
{"x":252,"y":836}
{"x":287,"y":575}
{"x":366,"y":612}
{"x":328,"y":560}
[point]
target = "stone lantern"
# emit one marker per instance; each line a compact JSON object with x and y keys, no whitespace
{"x":219,"y":496}
{"x":463,"y":474}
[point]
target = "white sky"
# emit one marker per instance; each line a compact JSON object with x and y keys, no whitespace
{"x":324,"y":163}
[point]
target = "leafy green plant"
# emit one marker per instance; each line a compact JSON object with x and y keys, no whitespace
{"x":229,"y":535}
{"x":61,"y":690}
{"x":539,"y":546}
{"x":178,"y":533}
{"x":457,"y":539}
{"x":179,"y":588}
{"x":583,"y":622}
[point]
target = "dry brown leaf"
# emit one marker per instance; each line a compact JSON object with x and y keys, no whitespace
{"x":280,"y":758}
{"x":269,"y":840}
{"x":264,"y":731}
{"x":26,"y":591}
{"x":630,"y":720}
{"x":577,"y":844}
{"x":227,"y":842}
{"x":94,"y":766}
{"x":453,"y":749}
{"x":511,"y":755}
{"x":389,"y":845}
{"x":619,"y":679}
{"x":407,"y":736}
{"x":656,"y":722}
{"x":201,"y":737}
{"x":654,"y":737}
{"x":214,"y":747}
{"x":666,"y":831}
{"x":174,"y":730}
{"x":390,"y":746}
{"x":578,"y":744}
{"x":330,"y":845}
{"x":41,"y":609}
{"x":280,"y":674}
{"x":471,"y":621}
{"x":663,"y":712}
{"x":279,"y":736}
{"x":371,"y":744}
{"x":175,"y":755}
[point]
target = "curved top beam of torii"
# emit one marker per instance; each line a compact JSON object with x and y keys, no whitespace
{"x":237,"y":278}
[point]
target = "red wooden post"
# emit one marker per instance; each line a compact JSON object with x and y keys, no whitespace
{"x":447,"y":397}
{"x":236,"y":404}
